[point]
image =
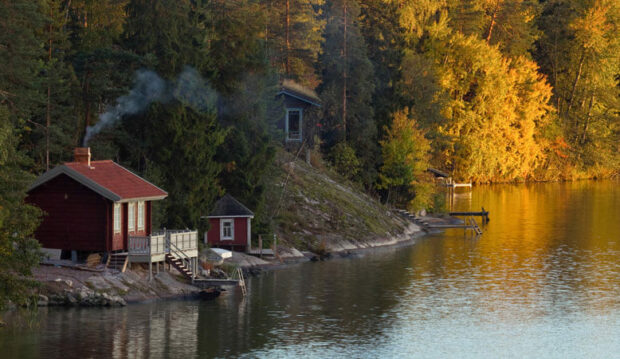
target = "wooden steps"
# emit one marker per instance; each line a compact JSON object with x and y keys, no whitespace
{"x":178,"y":265}
{"x":118,"y":261}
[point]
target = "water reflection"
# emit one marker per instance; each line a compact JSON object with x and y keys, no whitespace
{"x":542,"y":281}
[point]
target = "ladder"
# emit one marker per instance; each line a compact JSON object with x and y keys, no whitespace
{"x":239,"y":276}
{"x":474,"y":225}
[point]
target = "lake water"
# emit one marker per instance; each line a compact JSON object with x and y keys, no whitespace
{"x":543,"y":281}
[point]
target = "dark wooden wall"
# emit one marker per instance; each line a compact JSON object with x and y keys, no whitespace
{"x":76,"y":216}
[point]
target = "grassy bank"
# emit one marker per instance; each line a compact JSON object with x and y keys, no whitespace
{"x":315,"y":209}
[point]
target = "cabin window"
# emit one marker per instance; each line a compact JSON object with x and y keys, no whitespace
{"x":140,"y":215}
{"x":293,"y":124}
{"x":117,"y":218}
{"x":227,"y":231}
{"x":131,"y":216}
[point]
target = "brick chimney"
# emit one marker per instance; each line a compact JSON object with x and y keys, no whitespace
{"x":82,"y":155}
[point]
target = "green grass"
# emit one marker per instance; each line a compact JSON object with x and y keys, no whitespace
{"x":318,"y":207}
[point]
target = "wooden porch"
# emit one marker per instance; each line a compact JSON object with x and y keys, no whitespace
{"x":178,"y":248}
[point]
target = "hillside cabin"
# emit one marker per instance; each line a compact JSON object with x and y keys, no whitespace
{"x":298,"y":102}
{"x":92,"y":206}
{"x":231,"y":225}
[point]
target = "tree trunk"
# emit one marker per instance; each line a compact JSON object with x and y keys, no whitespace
{"x":344,"y":75}
{"x":577,"y":77}
{"x":492,"y":25}
{"x":86,"y":103}
{"x":288,"y":39}
{"x":48,"y":109}
{"x":587,"y":122}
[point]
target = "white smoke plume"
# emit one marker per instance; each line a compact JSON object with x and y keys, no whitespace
{"x":189,"y":88}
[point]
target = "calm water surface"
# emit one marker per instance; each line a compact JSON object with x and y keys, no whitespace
{"x":543,"y":281}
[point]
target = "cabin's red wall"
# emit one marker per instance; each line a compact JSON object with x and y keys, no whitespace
{"x":213,"y":235}
{"x":240,"y":233}
{"x":76,"y":216}
{"x":120,"y":240}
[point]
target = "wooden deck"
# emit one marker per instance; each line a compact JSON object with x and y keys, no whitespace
{"x":457,"y":185}
{"x":469,"y":223}
{"x":178,"y":248}
{"x":153,"y":248}
{"x":213,"y":282}
{"x":484,"y":214}
{"x":258,"y":252}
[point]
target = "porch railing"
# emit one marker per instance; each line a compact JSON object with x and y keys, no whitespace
{"x":183,"y":240}
{"x":160,"y":243}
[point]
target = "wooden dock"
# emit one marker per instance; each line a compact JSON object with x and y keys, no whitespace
{"x":469,"y":223}
{"x":483,"y":213}
{"x":457,"y":185}
{"x":213,"y":282}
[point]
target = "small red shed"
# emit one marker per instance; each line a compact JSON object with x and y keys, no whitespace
{"x":231,"y":225}
{"x":92,"y":206}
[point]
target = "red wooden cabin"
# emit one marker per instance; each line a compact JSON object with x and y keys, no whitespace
{"x":92,"y":206}
{"x":231,"y":225}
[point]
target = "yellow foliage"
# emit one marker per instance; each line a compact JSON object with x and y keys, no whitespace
{"x":494,"y":107}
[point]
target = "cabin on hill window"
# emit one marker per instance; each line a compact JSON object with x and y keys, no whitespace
{"x":298,"y":101}
{"x":293,"y":124}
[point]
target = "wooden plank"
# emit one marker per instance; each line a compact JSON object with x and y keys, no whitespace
{"x":461,"y":226}
{"x":215,"y":282}
{"x":480,"y":214}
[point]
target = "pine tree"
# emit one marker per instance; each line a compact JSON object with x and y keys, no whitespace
{"x":293,"y":36}
{"x":20,"y":48}
{"x":347,"y":86}
{"x":52,"y":140}
{"x":18,"y":249}
{"x":385,"y":40}
{"x":102,"y":69}
{"x":177,"y":146}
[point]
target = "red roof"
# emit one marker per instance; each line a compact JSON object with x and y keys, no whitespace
{"x":117,"y":179}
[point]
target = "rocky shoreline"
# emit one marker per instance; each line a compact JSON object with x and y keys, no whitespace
{"x":63,"y":284}
{"x":67,"y":284}
{"x":286,"y":257}
{"x":82,"y":297}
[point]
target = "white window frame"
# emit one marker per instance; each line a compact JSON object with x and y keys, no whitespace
{"x":141,"y":215}
{"x":131,"y":216}
{"x":232,"y":229}
{"x":289,"y":110}
{"x":117,"y":218}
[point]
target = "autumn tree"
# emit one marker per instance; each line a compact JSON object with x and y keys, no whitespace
{"x":483,"y":111}
{"x":405,"y":153}
{"x":579,"y":52}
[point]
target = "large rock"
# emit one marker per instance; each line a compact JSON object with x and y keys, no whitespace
{"x":43,"y":301}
